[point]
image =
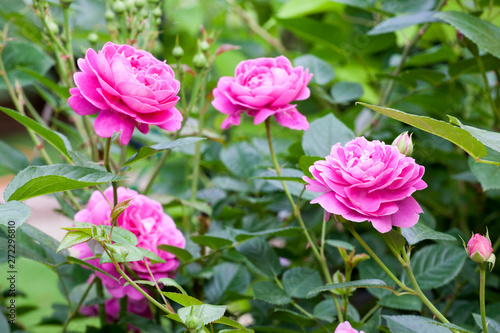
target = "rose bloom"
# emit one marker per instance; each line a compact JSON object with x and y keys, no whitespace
{"x":261,"y":88}
{"x":145,"y":219}
{"x":128,"y":88}
{"x":480,"y":245}
{"x":346,"y":327}
{"x":368,"y":181}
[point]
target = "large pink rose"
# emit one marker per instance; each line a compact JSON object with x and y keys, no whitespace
{"x":368,"y":181}
{"x":129,"y":88}
{"x":145,"y":219}
{"x":346,"y":327}
{"x":261,"y":88}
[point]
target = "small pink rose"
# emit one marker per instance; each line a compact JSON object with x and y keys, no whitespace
{"x":479,"y":248}
{"x":261,"y":88}
{"x":346,"y":327}
{"x":129,"y":88}
{"x":368,"y":181}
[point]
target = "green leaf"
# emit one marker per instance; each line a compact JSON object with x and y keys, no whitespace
{"x":291,"y":179}
{"x":16,"y":160}
{"x":61,"y":92}
{"x":488,"y":175}
{"x":226,"y":277}
{"x":484,"y":34}
{"x":184,"y":300}
{"x":369,"y":269}
{"x":262,"y":255}
{"x":371,"y":326}
{"x":39,"y":180}
{"x":92,"y":267}
{"x":4,"y":324}
{"x":292,"y":317}
{"x":16,"y":54}
{"x":361,"y":4}
{"x":14,"y":211}
{"x":121,"y":236}
{"x":319,"y":138}
{"x":155,"y":149}
{"x":402,"y":302}
{"x":413,"y":76}
{"x":72,"y":238}
{"x":339,"y":243}
{"x":153,"y":257}
{"x":241,"y":159}
{"x":205,"y":313}
{"x":229,"y":322}
{"x":488,"y":138}
{"x":345,"y":92}
{"x":403,"y":21}
{"x":493,"y":326}
{"x":323,"y":72}
{"x":171,"y":283}
{"x":119,"y":209}
{"x":323,"y":310}
{"x":270,"y":292}
{"x":469,"y":66}
{"x":284,"y":232}
{"x":370,"y":283}
{"x":181,"y":254}
{"x":58,"y":140}
{"x":306,"y":162}
{"x":455,"y":328}
{"x":394,"y":240}
{"x":299,"y":281}
{"x":454,"y":134}
{"x":436,"y":265}
{"x":420,"y":232}
{"x":299,"y":8}
{"x":413,"y":324}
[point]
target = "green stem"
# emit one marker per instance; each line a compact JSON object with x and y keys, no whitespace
{"x":296,"y":213}
{"x":156,"y":284}
{"x":77,"y":308}
{"x":480,"y":64}
{"x":107,"y":163}
{"x":370,"y":313}
{"x":349,"y":226}
{"x":418,"y":291}
{"x":482,"y":283}
{"x":102,"y":309}
{"x":93,"y":144}
{"x":197,"y":151}
{"x":69,"y":47}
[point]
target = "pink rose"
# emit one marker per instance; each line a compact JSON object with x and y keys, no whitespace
{"x":145,"y":219}
{"x":404,"y":143}
{"x":479,"y":248}
{"x":129,"y":88}
{"x":346,"y":327}
{"x":261,"y":88}
{"x":368,"y":181}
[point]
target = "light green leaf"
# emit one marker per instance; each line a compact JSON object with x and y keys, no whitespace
{"x":298,"y":281}
{"x":371,"y":326}
{"x":403,"y":21}
{"x":484,"y":34}
{"x":339,"y":243}
{"x":39,"y":180}
{"x":62,"y":92}
{"x":241,"y":159}
{"x":299,"y":8}
{"x":394,"y":240}
{"x":305,"y":162}
{"x":270,"y":292}
{"x":184,"y":300}
{"x":121,"y":235}
{"x":58,"y":140}
{"x":229,"y":322}
{"x":205,"y":313}
{"x":413,"y":324}
{"x":447,"y":131}
{"x":16,"y":160}
{"x":488,"y":138}
{"x":323,"y":133}
{"x":420,"y":232}
{"x":323,"y":310}
{"x":212,"y":242}
{"x":493,"y":326}
{"x":181,"y":254}
{"x":487,"y":174}
{"x":323,"y":72}
{"x":262,"y":255}
{"x":345,"y":92}
{"x":436,"y":265}
{"x":172,"y":283}
{"x":72,"y":238}
{"x":159,"y":147}
{"x":14,"y":211}
{"x":401,"y":302}
{"x":370,"y":283}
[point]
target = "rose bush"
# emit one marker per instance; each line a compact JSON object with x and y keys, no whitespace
{"x":261,"y":88}
{"x":129,"y":88}
{"x":145,"y":219}
{"x":368,"y":181}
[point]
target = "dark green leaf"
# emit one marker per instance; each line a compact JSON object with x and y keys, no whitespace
{"x":284,"y":232}
{"x":371,"y":326}
{"x":323,"y":72}
{"x":339,"y":243}
{"x":402,"y":302}
{"x":323,"y":310}
{"x":413,"y":324}
{"x":292,"y":317}
{"x":181,"y":254}
{"x":484,"y":34}
{"x":413,"y":76}
{"x":454,"y":134}
{"x":436,"y":265}
{"x":14,"y":211}
{"x":469,"y":66}
{"x":345,"y":92}
{"x":16,"y":160}
{"x":62,"y":92}
{"x":241,"y":159}
{"x":394,"y":240}
{"x":72,"y":238}
{"x":488,"y":175}
{"x":270,"y":292}
{"x":155,"y":149}
{"x":58,"y":140}
{"x":299,"y":281}
{"x":320,"y":137}
{"x":298,"y":8}
{"x":403,"y":21}
{"x":371,"y":283}
{"x":227,"y":277}
{"x":493,"y":326}
{"x":420,"y":232}
{"x":39,"y":180}
{"x":306,"y":162}
{"x":171,"y":283}
{"x":455,"y":328}
{"x":262,"y":255}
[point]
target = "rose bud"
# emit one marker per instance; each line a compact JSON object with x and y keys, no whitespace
{"x":404,"y":143}
{"x":480,"y":250}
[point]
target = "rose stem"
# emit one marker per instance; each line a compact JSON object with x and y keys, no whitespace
{"x":102,"y":308}
{"x":197,"y":152}
{"x":73,"y":313}
{"x":482,"y":282}
{"x":296,"y":212}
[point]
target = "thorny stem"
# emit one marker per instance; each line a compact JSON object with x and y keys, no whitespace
{"x":296,"y":213}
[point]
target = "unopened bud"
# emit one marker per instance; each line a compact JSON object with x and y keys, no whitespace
{"x":157,"y":12}
{"x":65,"y":3}
{"x":199,"y":61}
{"x":52,"y":26}
{"x":92,"y":38}
{"x":480,"y":250}
{"x":404,"y":143}
{"x":139,"y":3}
{"x":119,"y":7}
{"x":109,"y":15}
{"x":204,"y":46}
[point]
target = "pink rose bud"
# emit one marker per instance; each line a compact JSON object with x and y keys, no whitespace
{"x":479,"y":248}
{"x":404,"y":144}
{"x":346,"y":327}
